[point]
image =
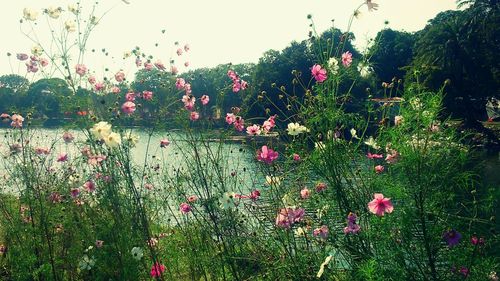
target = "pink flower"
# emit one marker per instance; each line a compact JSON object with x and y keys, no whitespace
{"x":44,"y":62}
{"x":321,"y":232}
{"x":179,"y":83}
{"x":254,"y":195}
{"x":92,"y":80}
{"x":239,"y":124}
{"x":244,"y":84}
{"x":347,"y":59}
{"x":379,"y":169}
{"x":374,"y":156}
{"x":236,"y":86}
{"x":185,"y":208}
{"x":55,"y":197}
{"x":89,"y":186}
{"x":120,"y":76}
{"x":352,"y":227}
{"x":321,"y":186}
{"x":148,"y":66}
{"x":179,"y":51}
{"x":188,"y":102}
{"x":115,"y":90}
{"x":80,"y":69}
{"x":253,"y":130}
{"x":230,"y":118}
{"x":17,"y":121}
{"x":147,"y":95}
{"x":164,"y":143}
{"x":63,"y":157}
{"x":380,"y":205}
{"x":130,"y":96}
{"x":269,"y":124}
{"x":99,"y":243}
{"x":204,"y":99}
{"x":296,"y":157}
{"x":392,"y":157}
{"x":231,"y":74}
{"x":318,"y":73}
{"x":266,"y":155}
{"x":128,"y":107}
{"x":305,"y":193}
{"x":99,"y":86}
{"x":22,"y":57}
{"x":194,"y":116}
{"x":287,"y":217}
{"x":75,"y":192}
{"x":192,"y":198}
{"x":187,"y":88}
{"x":42,"y":151}
{"x":68,"y":137}
{"x":157,"y":270}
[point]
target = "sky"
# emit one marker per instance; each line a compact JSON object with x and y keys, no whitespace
{"x":218,"y":31}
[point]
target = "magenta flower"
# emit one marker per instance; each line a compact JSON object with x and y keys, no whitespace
{"x":321,"y":232}
{"x":128,"y":107}
{"x":164,"y":143}
{"x":231,"y":74}
{"x":287,"y":217}
{"x":230,"y":118}
{"x":99,"y":86}
{"x":266,"y":155}
{"x":157,"y":270}
{"x":296,"y":157}
{"x":379,"y":169}
{"x":352,"y":227}
{"x":374,"y":156}
{"x":318,"y":73}
{"x":253,"y":130}
{"x":194,"y":116}
{"x":347,"y":59}
{"x":147,"y":95}
{"x":305,"y":193}
{"x":239,"y":124}
{"x":130,"y":96}
{"x":452,"y":237}
{"x":185,"y":208}
{"x":63,"y":157}
{"x":380,"y":205}
{"x":89,"y":186}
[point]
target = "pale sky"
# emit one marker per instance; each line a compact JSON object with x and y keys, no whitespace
{"x":218,"y":31}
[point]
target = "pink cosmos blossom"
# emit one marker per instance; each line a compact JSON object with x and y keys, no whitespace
{"x":236,"y":86}
{"x":164,"y":143}
{"x":157,"y":270}
{"x":244,"y":84}
{"x":266,"y":155}
{"x":374,"y":156}
{"x":380,"y":205}
{"x":352,"y":227}
{"x":296,"y":157}
{"x":321,"y":186}
{"x":120,"y":76}
{"x":318,"y":73}
{"x":147,"y":95}
{"x":4,"y":117}
{"x":287,"y":217}
{"x":92,"y":80}
{"x":239,"y":124}
{"x":96,"y":159}
{"x":194,"y":116}
{"x":255,"y":194}
{"x":269,"y":124}
{"x":185,"y":208}
{"x":42,"y":151}
{"x":187,"y":88}
{"x":148,"y":66}
{"x":17,"y":121}
{"x":159,"y":65}
{"x":192,"y":198}
{"x":180,"y":83}
{"x":253,"y":130}
{"x":392,"y":157}
{"x":321,"y":232}
{"x":179,"y":52}
{"x":55,"y":197}
{"x":231,"y":74}
{"x":75,"y":192}
{"x":379,"y":169}
{"x":128,"y":107}
{"x":68,"y":137}
{"x":89,"y":186}
{"x":22,"y":56}
{"x":80,"y":69}
{"x":99,"y":86}
{"x":44,"y":62}
{"x":174,"y":70}
{"x":230,"y":118}
{"x":204,"y":99}
{"x":347,"y":59}
{"x":305,"y":193}
{"x":32,"y":66}
{"x":115,"y":90}
{"x":189,"y":102}
{"x":186,"y":48}
{"x":63,"y":157}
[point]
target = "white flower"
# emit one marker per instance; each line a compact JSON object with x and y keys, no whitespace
{"x":364,"y":70}
{"x":37,"y":50}
{"x":137,"y":253}
{"x":54,"y":12}
{"x":30,"y":14}
{"x":416,"y":103}
{"x":322,"y":266}
{"x":73,"y":8}
{"x":70,"y":25}
{"x":354,"y":133}
{"x":86,"y":263}
{"x":333,"y":65}
{"x":113,"y":140}
{"x":272,"y":180}
{"x":319,"y":145}
{"x":295,"y":129}
{"x":398,"y":120}
{"x":101,"y":130}
{"x":372,"y":143}
{"x":227,"y":200}
{"x":132,"y":139}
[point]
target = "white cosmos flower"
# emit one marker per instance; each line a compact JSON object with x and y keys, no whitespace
{"x":86,"y":263}
{"x":101,"y":130}
{"x":227,"y":200}
{"x":132,"y":139}
{"x":272,"y":180}
{"x":113,"y":140}
{"x":73,"y":8}
{"x":30,"y":14}
{"x":70,"y":25}
{"x":333,"y":65}
{"x":319,"y":145}
{"x":137,"y":253}
{"x":364,"y":70}
{"x":54,"y":12}
{"x":354,"y":133}
{"x":372,"y":143}
{"x":295,"y":129}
